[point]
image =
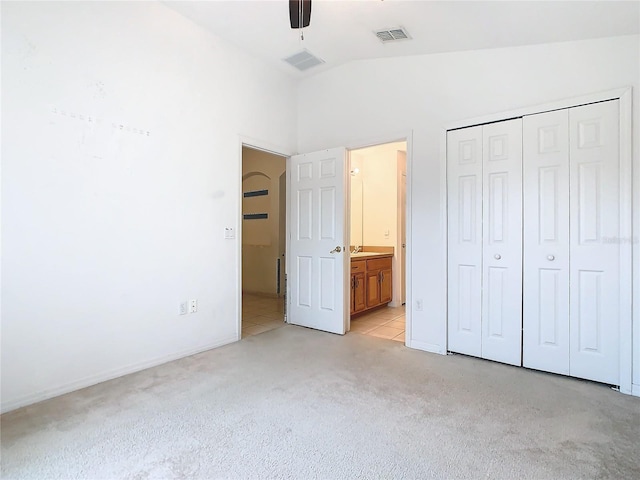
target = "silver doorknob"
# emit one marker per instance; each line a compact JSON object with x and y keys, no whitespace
{"x":497,"y":256}
{"x":551,"y":258}
{"x":338,"y":249}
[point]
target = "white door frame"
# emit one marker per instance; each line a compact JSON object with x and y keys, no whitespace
{"x":627,"y":316}
{"x":406,"y":136}
{"x":401,"y":224}
{"x":265,"y":147}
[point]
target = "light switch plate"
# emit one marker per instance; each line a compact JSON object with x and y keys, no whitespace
{"x":229,"y":233}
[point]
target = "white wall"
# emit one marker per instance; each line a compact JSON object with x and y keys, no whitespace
{"x":379,"y":184}
{"x":360,"y":101}
{"x":107,"y":229}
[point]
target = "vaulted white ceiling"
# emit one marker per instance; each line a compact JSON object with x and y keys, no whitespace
{"x":342,"y":31}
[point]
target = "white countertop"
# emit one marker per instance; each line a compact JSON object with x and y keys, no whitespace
{"x":369,"y":254}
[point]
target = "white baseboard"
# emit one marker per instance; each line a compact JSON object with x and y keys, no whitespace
{"x":105,"y":376}
{"x":427,"y":347}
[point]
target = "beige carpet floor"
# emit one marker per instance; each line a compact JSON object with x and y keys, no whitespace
{"x":297,"y":403}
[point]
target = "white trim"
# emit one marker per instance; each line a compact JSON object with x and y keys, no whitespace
{"x":264,"y":146}
{"x":239,"y":247}
{"x":626,"y":232}
{"x":347,"y":234}
{"x":108,"y":375}
{"x":635,"y":390}
{"x":287,"y":240}
{"x":408,"y":263}
{"x":400,"y":225}
{"x":540,"y":108}
{"x":428,"y":347}
{"x":627,"y":309}
{"x":346,"y":241}
{"x":444,"y":234}
{"x":379,"y":140}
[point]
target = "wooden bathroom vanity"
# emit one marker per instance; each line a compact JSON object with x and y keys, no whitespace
{"x":371,"y":284}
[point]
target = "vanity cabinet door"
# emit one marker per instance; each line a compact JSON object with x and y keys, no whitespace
{"x":373,"y":288}
{"x":359,"y":301}
{"x":386,"y":291}
{"x":379,"y":290}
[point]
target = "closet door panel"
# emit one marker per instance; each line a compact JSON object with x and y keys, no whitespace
{"x":464,"y":178}
{"x":545,"y":340}
{"x":595,"y":265}
{"x":502,"y":242}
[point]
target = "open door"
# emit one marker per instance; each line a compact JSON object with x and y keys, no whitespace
{"x":317,"y":260}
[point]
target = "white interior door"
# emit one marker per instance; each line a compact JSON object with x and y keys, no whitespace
{"x":464,"y":186}
{"x":403,"y":237}
{"x":502,"y":242}
{"x":546,"y":242}
{"x":317,"y":261}
{"x":595,"y":244}
{"x":399,"y":273}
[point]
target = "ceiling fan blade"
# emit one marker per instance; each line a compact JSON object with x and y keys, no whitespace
{"x":299,"y":13}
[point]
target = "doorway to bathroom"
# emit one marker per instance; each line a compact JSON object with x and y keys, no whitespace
{"x":377,"y":245}
{"x":263,"y":240}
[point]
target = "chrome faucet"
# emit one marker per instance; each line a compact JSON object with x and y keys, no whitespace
{"x":356,"y":249}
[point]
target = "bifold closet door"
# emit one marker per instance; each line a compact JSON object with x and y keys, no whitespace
{"x":594,"y":244}
{"x":571,"y":254}
{"x":546,"y":242}
{"x":464,"y":268}
{"x":502,"y":242}
{"x":484,"y":175}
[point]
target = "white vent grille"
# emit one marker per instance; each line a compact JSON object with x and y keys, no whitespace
{"x":392,"y":34}
{"x":303,"y":60}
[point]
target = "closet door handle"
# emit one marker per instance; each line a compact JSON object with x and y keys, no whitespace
{"x":551,"y":258}
{"x":497,"y":256}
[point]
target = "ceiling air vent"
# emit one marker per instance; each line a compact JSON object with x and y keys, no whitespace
{"x":303,"y":60}
{"x":392,"y":34}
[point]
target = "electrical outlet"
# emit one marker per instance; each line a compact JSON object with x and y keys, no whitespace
{"x":184,"y":308}
{"x":193,"y":306}
{"x":419,"y":305}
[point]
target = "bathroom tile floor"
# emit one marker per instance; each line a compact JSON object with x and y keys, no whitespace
{"x":386,"y":322}
{"x":261,"y":314}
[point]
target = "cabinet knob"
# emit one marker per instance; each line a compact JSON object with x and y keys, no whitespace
{"x":551,"y":258}
{"x":497,"y":256}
